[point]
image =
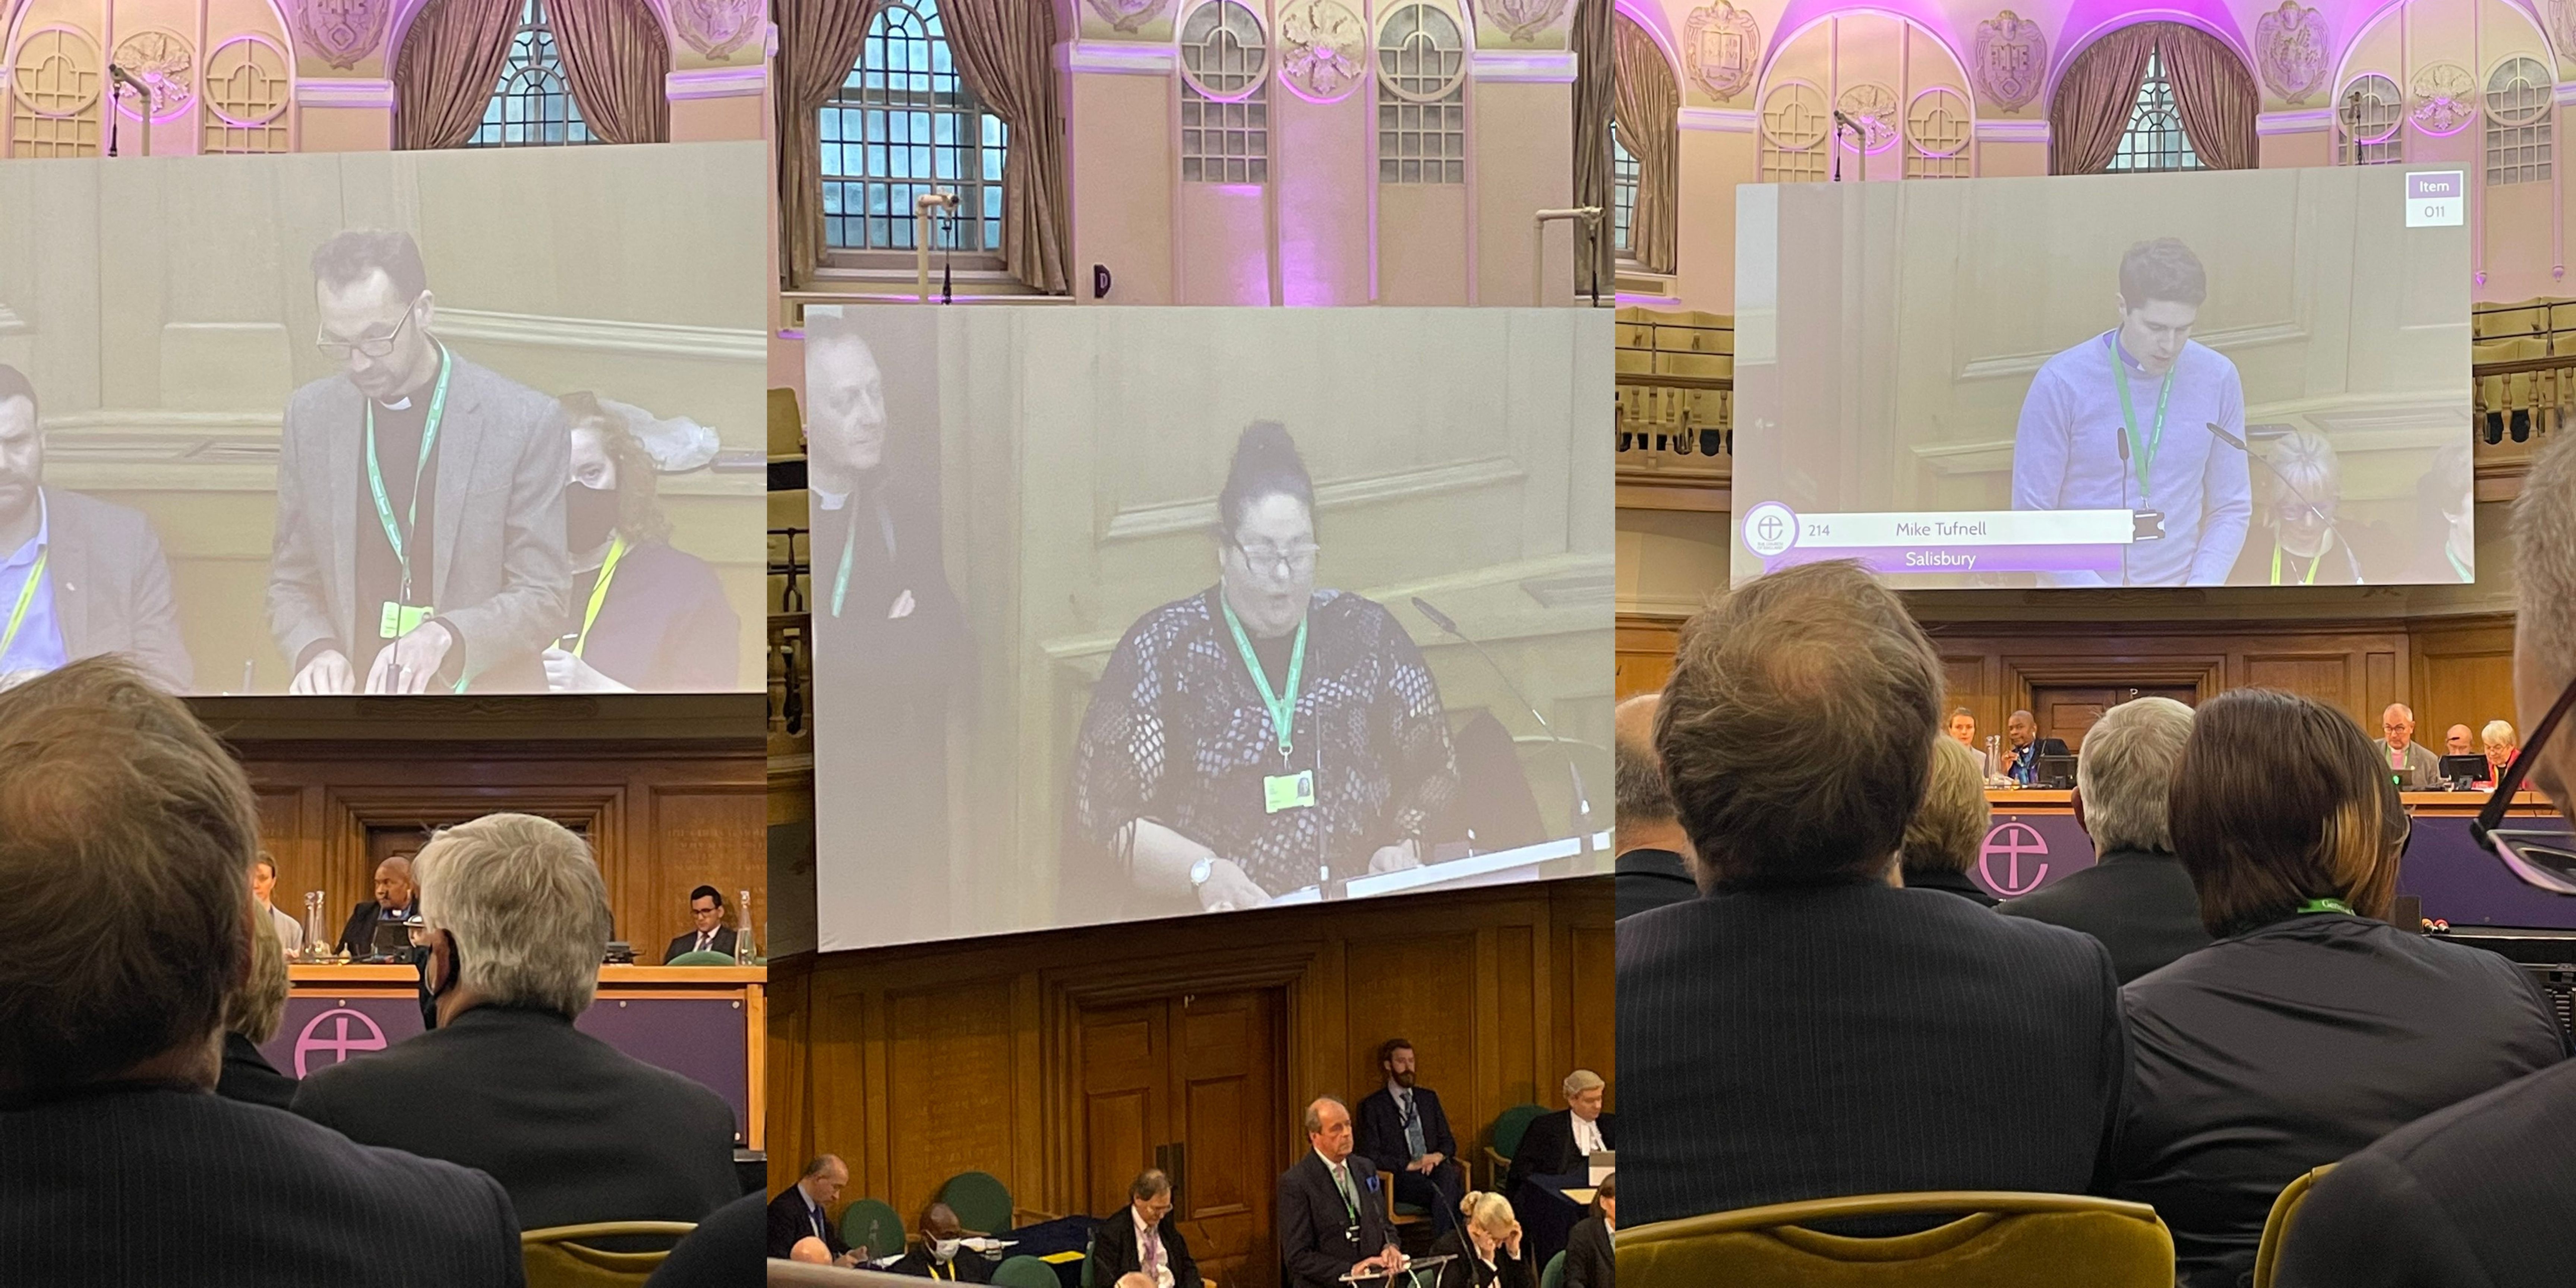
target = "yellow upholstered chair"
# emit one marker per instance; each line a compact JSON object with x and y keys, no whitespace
{"x":561,"y":1256}
{"x":786,"y":424}
{"x":2276,"y":1227}
{"x":2004,"y":1240}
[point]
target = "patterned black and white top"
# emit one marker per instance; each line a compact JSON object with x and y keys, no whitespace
{"x":1177,"y":733}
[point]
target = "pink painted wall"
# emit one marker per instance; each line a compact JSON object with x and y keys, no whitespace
{"x":1323,"y":231}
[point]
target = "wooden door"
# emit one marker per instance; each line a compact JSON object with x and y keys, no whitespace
{"x":2066,"y":711}
{"x":1190,"y":1084}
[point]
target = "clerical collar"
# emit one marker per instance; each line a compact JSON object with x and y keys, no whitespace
{"x":401,"y":404}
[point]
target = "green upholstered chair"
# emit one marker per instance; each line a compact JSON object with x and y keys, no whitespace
{"x":873,"y":1225}
{"x":700,"y":958}
{"x":1024,"y":1272}
{"x":1999,"y":1240}
{"x":1554,"y":1275}
{"x":2276,"y":1227}
{"x":1508,"y":1130}
{"x":983,"y":1204}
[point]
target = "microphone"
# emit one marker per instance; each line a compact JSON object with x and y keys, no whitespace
{"x":126,"y":79}
{"x":2333,"y":525}
{"x":1582,"y":799}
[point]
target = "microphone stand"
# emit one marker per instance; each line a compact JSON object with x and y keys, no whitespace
{"x":1582,"y":799}
{"x":2334,"y":526}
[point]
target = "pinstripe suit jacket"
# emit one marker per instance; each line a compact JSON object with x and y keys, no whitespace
{"x":1857,"y":1039}
{"x":156,"y":1185}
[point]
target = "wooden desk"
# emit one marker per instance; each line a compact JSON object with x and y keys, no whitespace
{"x":705,"y":1023}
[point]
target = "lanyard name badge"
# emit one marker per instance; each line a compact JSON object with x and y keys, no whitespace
{"x":402,"y":617}
{"x":1296,"y":789}
{"x":2142,"y":454}
{"x":599,"y":593}
{"x":26,"y":596}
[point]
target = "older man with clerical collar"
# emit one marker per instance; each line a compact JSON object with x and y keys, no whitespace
{"x":2412,"y":762}
{"x":1144,"y":1239}
{"x":420,"y":520}
{"x":393,"y":904}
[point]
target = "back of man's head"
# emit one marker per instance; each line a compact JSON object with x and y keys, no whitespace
{"x":2126,"y":771}
{"x":2544,"y":651}
{"x":1949,"y":828}
{"x":1797,"y":726}
{"x":126,"y":839}
{"x":527,"y":907}
{"x":1643,"y":795}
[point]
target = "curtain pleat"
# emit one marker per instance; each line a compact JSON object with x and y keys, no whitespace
{"x":1596,"y":74}
{"x":449,"y":65}
{"x":818,"y":43}
{"x":2216,"y":94}
{"x":2094,"y":99}
{"x":1648,"y":107}
{"x":615,"y":60}
{"x":1005,"y":51}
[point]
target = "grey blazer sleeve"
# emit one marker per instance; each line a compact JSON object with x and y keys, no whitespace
{"x":299,"y":613}
{"x":522,"y":617}
{"x":156,"y":615}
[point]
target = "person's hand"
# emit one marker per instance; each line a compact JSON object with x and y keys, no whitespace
{"x":1422,"y":1165}
{"x":1396,"y":858}
{"x":1433,"y":1159}
{"x":568,"y":674}
{"x":1512,"y":1241}
{"x":1227,"y":889}
{"x":408,"y":664}
{"x":852,"y":1257}
{"x":328,"y":672}
{"x":903,"y":607}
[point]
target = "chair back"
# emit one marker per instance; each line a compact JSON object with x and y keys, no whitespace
{"x":1398,"y":1213}
{"x":980,"y":1200}
{"x":2004,"y":1240}
{"x":1554,"y":1275}
{"x":872,"y":1224}
{"x":1512,"y":1125}
{"x":562,"y":1256}
{"x":2276,"y":1227}
{"x":786,"y":424}
{"x":1024,"y":1272}
{"x":700,"y":957}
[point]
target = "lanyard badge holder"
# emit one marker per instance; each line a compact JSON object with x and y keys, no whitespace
{"x":401,"y":617}
{"x":1296,"y":788}
{"x":2150,"y":523}
{"x":26,"y":596}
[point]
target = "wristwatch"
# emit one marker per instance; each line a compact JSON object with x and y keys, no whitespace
{"x":1201,"y":871}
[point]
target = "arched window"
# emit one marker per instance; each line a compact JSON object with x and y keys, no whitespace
{"x":247,"y":88}
{"x":902,"y":124}
{"x":532,"y":106}
{"x":2155,"y":140}
{"x":2370,"y":122}
{"x":1938,"y":127}
{"x":2517,"y":111}
{"x":1623,"y":196}
{"x":1225,"y":95}
{"x":1421,"y":97}
{"x":1793,"y":134}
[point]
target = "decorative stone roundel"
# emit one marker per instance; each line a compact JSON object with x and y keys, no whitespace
{"x":2445,"y":98}
{"x":1872,"y":107}
{"x":1323,"y":49}
{"x":164,"y":63}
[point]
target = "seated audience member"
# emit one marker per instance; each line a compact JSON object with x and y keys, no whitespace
{"x":1332,"y":1216}
{"x":395,"y":901}
{"x":1563,"y":1143}
{"x":1948,"y":830}
{"x":2023,"y":747}
{"x":1794,"y":733}
{"x":2459,"y":742}
{"x":707,"y":931}
{"x":2312,"y":1027}
{"x":2136,"y":898}
{"x":576,"y":1130}
{"x":2474,"y":1194}
{"x":251,"y":1015}
{"x":126,"y":836}
{"x":801,"y":1212}
{"x":1487,"y":1246}
{"x":942,"y":1253}
{"x":644,"y":615}
{"x":263,"y":884}
{"x":2295,"y":541}
{"x":2501,"y":747}
{"x":1588,"y":1259}
{"x":1144,"y":1239}
{"x":1402,"y":1128}
{"x":1653,"y":864}
{"x":2415,"y":765}
{"x":724,"y":1250}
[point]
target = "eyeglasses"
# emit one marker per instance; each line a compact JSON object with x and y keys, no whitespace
{"x":1292,"y":561}
{"x":374,"y":346}
{"x":2545,"y":858}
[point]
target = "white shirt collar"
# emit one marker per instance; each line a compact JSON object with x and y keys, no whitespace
{"x":1339,"y":1169}
{"x":829,"y":500}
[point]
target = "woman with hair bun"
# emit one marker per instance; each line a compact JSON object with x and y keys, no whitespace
{"x":1487,"y":1246}
{"x":1262,"y":735}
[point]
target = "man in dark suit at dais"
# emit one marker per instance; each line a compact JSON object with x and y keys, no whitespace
{"x":1332,"y":1214}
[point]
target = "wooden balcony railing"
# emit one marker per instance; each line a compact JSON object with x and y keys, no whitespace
{"x":791,"y":635}
{"x":2522,"y":363}
{"x":1676,"y":417}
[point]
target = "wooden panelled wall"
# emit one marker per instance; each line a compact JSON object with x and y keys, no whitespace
{"x":915,"y":1064}
{"x":671,"y":791}
{"x":2450,"y":670}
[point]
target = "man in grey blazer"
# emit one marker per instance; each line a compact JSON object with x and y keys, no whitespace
{"x":420,"y":528}
{"x":2412,"y":762}
{"x":78,"y":576}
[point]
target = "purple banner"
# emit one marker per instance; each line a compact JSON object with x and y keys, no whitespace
{"x":700,"y":1039}
{"x":1938,"y":557}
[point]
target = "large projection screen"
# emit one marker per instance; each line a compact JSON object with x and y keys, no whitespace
{"x":192,"y":416}
{"x":1030,"y":710}
{"x":1948,"y":382}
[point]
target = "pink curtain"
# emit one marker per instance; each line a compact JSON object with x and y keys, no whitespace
{"x":1648,"y":106}
{"x":2215,"y":92}
{"x":818,"y":43}
{"x":1595,"y":85}
{"x":449,"y":65}
{"x":615,"y":58}
{"x":1005,"y":51}
{"x":2094,"y":98}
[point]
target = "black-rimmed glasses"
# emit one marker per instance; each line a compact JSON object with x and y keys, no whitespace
{"x":2540,"y":857}
{"x":1295,"y":561}
{"x":374,"y":346}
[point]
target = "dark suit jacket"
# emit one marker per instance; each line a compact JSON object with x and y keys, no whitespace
{"x":1589,"y":1262}
{"x":788,"y":1223}
{"x":152,"y":1185}
{"x":1948,"y":882}
{"x":2141,"y":906}
{"x":1379,"y":1128}
{"x":723,"y":1252}
{"x":1315,"y":1241}
{"x":1115,"y":1250}
{"x":358,"y":934}
{"x":573,"y":1128}
{"x":1468,"y":1272}
{"x":501,"y":573}
{"x":249,"y":1078}
{"x":112,"y":587}
{"x":2038,"y":747}
{"x":1856,"y":1039}
{"x":688,"y":942}
{"x":966,"y":1268}
{"x":1547,"y":1148}
{"x":1651,"y":879}
{"x":2463,"y":1198}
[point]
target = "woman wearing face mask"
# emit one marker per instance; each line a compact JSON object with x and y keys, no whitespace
{"x":644,"y":615}
{"x":1245,"y":739}
{"x":1487,"y":1247}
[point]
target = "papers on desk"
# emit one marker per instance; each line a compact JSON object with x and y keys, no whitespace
{"x":1603,"y":1163}
{"x":1500,"y":865}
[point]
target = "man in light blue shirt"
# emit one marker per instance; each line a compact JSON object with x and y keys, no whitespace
{"x":2146,"y":386}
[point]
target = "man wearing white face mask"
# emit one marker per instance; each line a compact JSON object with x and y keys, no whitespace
{"x":943,"y":1253}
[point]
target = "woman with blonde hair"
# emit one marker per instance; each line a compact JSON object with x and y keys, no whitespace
{"x":1486,"y":1246}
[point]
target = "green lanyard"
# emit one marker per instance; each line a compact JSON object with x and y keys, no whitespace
{"x":2313,"y":564}
{"x":376,"y":476}
{"x":26,"y":596}
{"x":1283,"y":710}
{"x":599,"y":592}
{"x":2325,"y":905}
{"x":2143,"y":453}
{"x":841,"y":581}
